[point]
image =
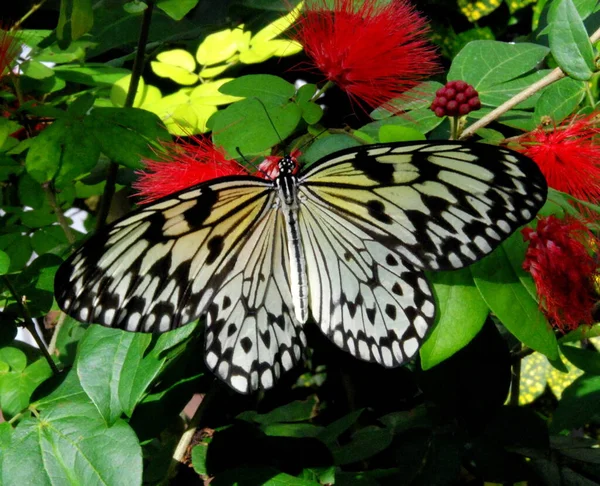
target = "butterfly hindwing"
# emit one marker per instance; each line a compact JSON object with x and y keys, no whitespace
{"x":363,"y":296}
{"x":252,"y":340}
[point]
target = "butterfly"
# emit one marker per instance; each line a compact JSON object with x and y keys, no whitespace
{"x":346,"y":241}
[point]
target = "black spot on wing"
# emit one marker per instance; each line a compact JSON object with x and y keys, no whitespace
{"x":215,"y":247}
{"x":376,"y":209}
{"x":197,"y":214}
{"x":382,"y":173}
{"x":246,"y":344}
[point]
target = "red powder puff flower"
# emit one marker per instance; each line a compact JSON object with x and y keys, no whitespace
{"x":568,"y":155}
{"x":184,"y":165}
{"x":269,"y":168}
{"x":560,"y":259}
{"x":374,"y":51}
{"x":10,"y":46}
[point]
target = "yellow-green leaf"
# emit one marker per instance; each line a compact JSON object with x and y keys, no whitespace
{"x":209,"y":94}
{"x":221,"y":46}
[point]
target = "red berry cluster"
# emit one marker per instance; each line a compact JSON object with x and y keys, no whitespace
{"x":456,"y":98}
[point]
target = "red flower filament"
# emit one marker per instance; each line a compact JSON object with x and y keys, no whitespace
{"x":568,"y":156}
{"x":374,"y":52}
{"x":560,"y":261}
{"x":10,"y":47}
{"x":184,"y":165}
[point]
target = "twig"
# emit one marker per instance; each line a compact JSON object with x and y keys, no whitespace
{"x":515,"y":383}
{"x":194,"y":424}
{"x":33,"y":8}
{"x":553,"y":76}
{"x":62,"y":221}
{"x":136,"y":74}
{"x":29,"y":324}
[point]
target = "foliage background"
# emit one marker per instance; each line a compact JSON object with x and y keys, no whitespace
{"x":113,"y":414}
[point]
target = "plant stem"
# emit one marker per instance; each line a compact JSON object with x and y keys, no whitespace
{"x":515,"y":383}
{"x":62,"y":221}
{"x":553,"y":76}
{"x":33,"y":8}
{"x":136,"y":74}
{"x":29,"y":324}
{"x":322,"y":90}
{"x":194,"y":424}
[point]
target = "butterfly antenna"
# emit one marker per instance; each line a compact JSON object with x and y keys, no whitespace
{"x":270,"y":120}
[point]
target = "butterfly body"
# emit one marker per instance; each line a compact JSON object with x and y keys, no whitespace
{"x":346,"y":240}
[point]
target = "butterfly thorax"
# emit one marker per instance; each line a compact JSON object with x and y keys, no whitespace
{"x":287,"y":182}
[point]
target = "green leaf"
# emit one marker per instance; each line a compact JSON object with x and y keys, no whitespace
{"x":513,"y":305}
{"x":514,"y":247}
{"x":91,"y":74}
{"x":311,"y":112}
{"x":125,"y":134}
{"x":43,"y":158}
{"x":176,"y":9}
{"x":327,"y":145}
{"x":113,"y":370}
{"x":199,"y":453}
{"x":14,"y":358}
{"x":587,"y":360}
{"x":394,"y":133}
{"x":36,"y":283}
{"x":70,"y":443}
{"x":579,"y":403}
{"x":75,"y":19}
{"x":486,"y":63}
{"x":461,"y":314}
{"x":36,"y":70}
{"x":16,"y":387}
{"x":4,"y":263}
{"x":364,"y":444}
{"x":51,"y":239}
{"x":264,"y":476}
{"x":337,"y":428}
{"x":582,"y":332}
{"x":265,"y":87}
{"x":559,"y":100}
{"x":423,"y":120}
{"x":18,"y":247}
{"x":569,"y":42}
{"x":297,"y":411}
{"x":253,"y":126}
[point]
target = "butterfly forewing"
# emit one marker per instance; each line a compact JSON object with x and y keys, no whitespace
{"x":441,"y":206}
{"x":159,"y":268}
{"x":370,"y":220}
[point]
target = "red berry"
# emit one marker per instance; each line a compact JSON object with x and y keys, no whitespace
{"x":460,"y":85}
{"x":470,"y":92}
{"x":456,"y":98}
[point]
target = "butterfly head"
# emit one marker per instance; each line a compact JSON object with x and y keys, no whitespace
{"x":288,"y":165}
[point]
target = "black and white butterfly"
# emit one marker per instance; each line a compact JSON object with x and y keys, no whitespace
{"x":346,"y":241}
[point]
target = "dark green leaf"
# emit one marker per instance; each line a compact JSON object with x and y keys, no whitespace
{"x":297,"y":411}
{"x":72,"y":444}
{"x":113,"y":370}
{"x":513,"y":305}
{"x":36,"y":283}
{"x":587,"y":360}
{"x":17,"y":247}
{"x":559,"y":100}
{"x":364,"y":444}
{"x":579,"y":403}
{"x":199,"y":458}
{"x":43,"y":158}
{"x":4,"y":263}
{"x":486,"y":64}
{"x":337,"y":428}
{"x":176,"y":9}
{"x":569,"y":42}
{"x":271,"y":90}
{"x":245,"y":125}
{"x":461,"y":314}
{"x":16,"y":387}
